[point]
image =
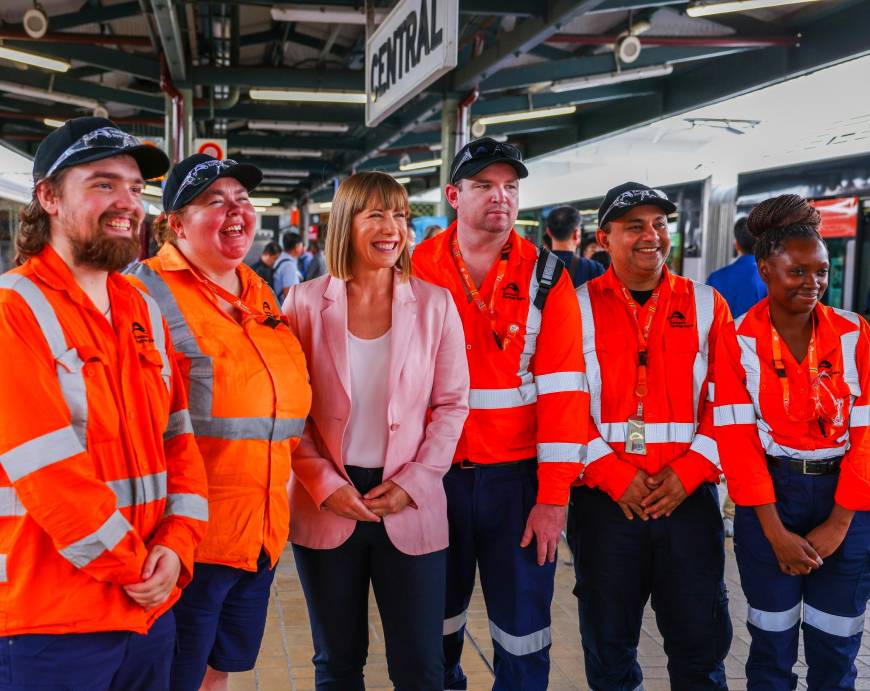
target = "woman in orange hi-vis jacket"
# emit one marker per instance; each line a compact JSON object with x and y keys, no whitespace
{"x":249,"y":397}
{"x":792,"y":407}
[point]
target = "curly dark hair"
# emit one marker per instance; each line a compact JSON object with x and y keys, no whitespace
{"x":779,"y":219}
{"x":34,"y":223}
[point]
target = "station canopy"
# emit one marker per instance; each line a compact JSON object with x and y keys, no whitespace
{"x":544,"y":75}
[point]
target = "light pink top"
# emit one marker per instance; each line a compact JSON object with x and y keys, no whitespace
{"x":368,"y":429}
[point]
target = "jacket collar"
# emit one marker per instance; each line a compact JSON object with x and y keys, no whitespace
{"x":172,"y":259}
{"x":610,"y":281}
{"x":52,"y":270}
{"x":442,"y":252}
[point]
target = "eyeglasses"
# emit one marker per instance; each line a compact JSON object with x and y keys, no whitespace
{"x":484,"y":148}
{"x":102,"y":138}
{"x":202,"y":173}
{"x":633,"y":198}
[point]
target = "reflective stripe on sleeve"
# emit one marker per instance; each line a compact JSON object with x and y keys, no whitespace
{"x":138,"y":491}
{"x":655,"y":432}
{"x":734,"y":414}
{"x":455,"y":624}
{"x":3,"y":576}
{"x":520,"y":645}
{"x":833,"y":624}
{"x":705,"y":446}
{"x":775,"y":621}
{"x":10,"y":504}
{"x":560,"y":452}
{"x":849,"y":346}
{"x":187,"y":505}
{"x":860,"y":416}
{"x":596,"y":450}
{"x":561,"y":382}
{"x":493,"y":399}
{"x":38,"y":453}
{"x":179,"y":423}
{"x":106,"y":537}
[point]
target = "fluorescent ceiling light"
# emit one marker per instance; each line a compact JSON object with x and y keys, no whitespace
{"x":281,"y":181}
{"x":521,"y":222}
{"x":281,"y":172}
{"x":53,"y":96}
{"x":154,"y":210}
{"x":264,"y":201}
{"x":417,"y":165}
{"x":324,"y":14}
{"x":260,"y":209}
{"x":606,"y":78}
{"x":51,"y":122}
{"x":292,"y":153}
{"x":527,"y":115}
{"x":282,"y":126}
{"x":153,"y":191}
{"x":403,"y":180}
{"x":33,"y":59}
{"x":708,"y":9}
{"x":308,"y":96}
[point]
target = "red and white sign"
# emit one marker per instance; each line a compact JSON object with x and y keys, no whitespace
{"x":216,"y":148}
{"x":839,"y":217}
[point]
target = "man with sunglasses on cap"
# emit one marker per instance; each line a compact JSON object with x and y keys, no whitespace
{"x":646,"y":521}
{"x":102,"y":493}
{"x":523,"y":442}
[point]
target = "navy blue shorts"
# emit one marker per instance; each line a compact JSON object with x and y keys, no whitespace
{"x":220,"y":620}
{"x":104,"y":661}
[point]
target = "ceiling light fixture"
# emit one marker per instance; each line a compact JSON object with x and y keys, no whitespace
{"x":527,"y":115}
{"x":152,"y":191}
{"x":291,"y":153}
{"x":53,"y":96}
{"x":358,"y":97}
{"x":281,"y":172}
{"x":324,"y":14}
{"x":707,"y":9}
{"x":418,"y":165}
{"x":403,"y":180}
{"x":523,"y":222}
{"x":51,"y":122}
{"x":264,"y":201}
{"x":33,"y":59}
{"x":260,"y":209}
{"x":282,"y":126}
{"x":608,"y":78}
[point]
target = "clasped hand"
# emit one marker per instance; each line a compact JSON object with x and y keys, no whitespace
{"x":379,"y":501}
{"x":652,"y":496}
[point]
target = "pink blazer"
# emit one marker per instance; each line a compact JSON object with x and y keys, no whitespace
{"x":428,"y":370}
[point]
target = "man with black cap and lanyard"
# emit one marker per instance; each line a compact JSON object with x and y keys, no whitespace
{"x":102,"y":490}
{"x":645,"y":520}
{"x":523,"y":442}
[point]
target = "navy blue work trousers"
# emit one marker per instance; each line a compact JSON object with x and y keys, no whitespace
{"x":831,"y":600}
{"x":678,"y":561}
{"x":410,"y":594}
{"x":487,"y":507}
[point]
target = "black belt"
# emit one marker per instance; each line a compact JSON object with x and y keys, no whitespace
{"x":465,"y":464}
{"x":823,"y":466}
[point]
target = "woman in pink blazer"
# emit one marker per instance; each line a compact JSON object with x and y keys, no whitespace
{"x":386,"y":356}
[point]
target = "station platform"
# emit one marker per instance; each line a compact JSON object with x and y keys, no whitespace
{"x":285,"y":657}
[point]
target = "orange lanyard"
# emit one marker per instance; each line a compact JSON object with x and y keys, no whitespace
{"x":640,"y":389}
{"x":473,"y":294}
{"x":235,"y":301}
{"x":779,"y":365}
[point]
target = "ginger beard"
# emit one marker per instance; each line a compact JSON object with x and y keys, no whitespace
{"x":106,"y":251}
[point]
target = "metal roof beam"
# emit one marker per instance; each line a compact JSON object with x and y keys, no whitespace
{"x":293,"y":36}
{"x":91,"y":14}
{"x":171,"y":40}
{"x":279,"y":78}
{"x":351,"y":115}
{"x":96,"y":56}
{"x":626,"y":5}
{"x":526,"y":35}
{"x":509,"y":104}
{"x":277,"y":141}
{"x":309,"y":164}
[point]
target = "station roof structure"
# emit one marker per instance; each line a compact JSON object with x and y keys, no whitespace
{"x":514,"y":56}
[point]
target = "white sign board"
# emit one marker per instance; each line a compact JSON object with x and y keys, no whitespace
{"x":414,"y":46}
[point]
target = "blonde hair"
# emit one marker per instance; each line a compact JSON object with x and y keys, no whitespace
{"x":161,"y":229}
{"x":354,"y":195}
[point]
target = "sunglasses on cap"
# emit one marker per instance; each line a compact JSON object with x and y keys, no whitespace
{"x":485,"y":149}
{"x":202,"y":173}
{"x":102,"y":138}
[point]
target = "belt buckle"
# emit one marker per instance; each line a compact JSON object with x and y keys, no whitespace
{"x":808,"y":472}
{"x":465,"y":464}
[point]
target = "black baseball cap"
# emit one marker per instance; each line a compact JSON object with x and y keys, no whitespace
{"x":483,"y":152}
{"x":195,"y":173}
{"x":88,"y":139}
{"x":621,"y":199}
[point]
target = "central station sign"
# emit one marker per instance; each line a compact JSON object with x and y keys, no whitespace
{"x":414,"y":46}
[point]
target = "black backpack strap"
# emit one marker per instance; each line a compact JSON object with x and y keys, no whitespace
{"x":548,"y":269}
{"x":572,"y":268}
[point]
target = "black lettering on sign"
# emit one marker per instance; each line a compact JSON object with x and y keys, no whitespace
{"x":411,"y":40}
{"x":423,"y":34}
{"x":437,"y":34}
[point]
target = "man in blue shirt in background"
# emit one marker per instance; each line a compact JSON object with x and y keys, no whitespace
{"x":739,"y":282}
{"x":563,"y":228}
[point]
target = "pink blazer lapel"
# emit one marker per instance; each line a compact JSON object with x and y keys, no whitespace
{"x":404,"y":323}
{"x":334,"y":315}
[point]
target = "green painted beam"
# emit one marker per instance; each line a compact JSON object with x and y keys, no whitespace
{"x":93,"y":15}
{"x":626,"y":5}
{"x":509,"y":104}
{"x":312,"y":165}
{"x":279,"y":78}
{"x":352,"y":115}
{"x":96,"y":56}
{"x":293,"y":36}
{"x":278,"y":140}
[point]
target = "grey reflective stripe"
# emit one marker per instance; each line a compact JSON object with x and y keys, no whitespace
{"x":849,"y":345}
{"x":3,"y":577}
{"x":137,"y":491}
{"x":775,"y":621}
{"x":533,"y":328}
{"x":596,"y":450}
{"x":455,"y":624}
{"x":159,"y":336}
{"x":705,"y":305}
{"x":561,"y":452}
{"x":832,"y":623}
{"x":187,"y":505}
{"x":560,"y":382}
{"x":38,"y":453}
{"x":860,"y":416}
{"x":68,"y":363}
{"x":10,"y":504}
{"x":705,"y":446}
{"x":520,"y":645}
{"x":493,"y":399}
{"x":655,"y":432}
{"x":774,"y":449}
{"x":711,"y":390}
{"x":593,"y":370}
{"x":179,"y":423}
{"x":201,"y":383}
{"x":106,"y":537}
{"x":734,"y":414}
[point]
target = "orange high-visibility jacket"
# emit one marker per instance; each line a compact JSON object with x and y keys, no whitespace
{"x":530,"y":400}
{"x":750,"y":414}
{"x":678,"y":414}
{"x":249,"y":397}
{"x":98,"y":460}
